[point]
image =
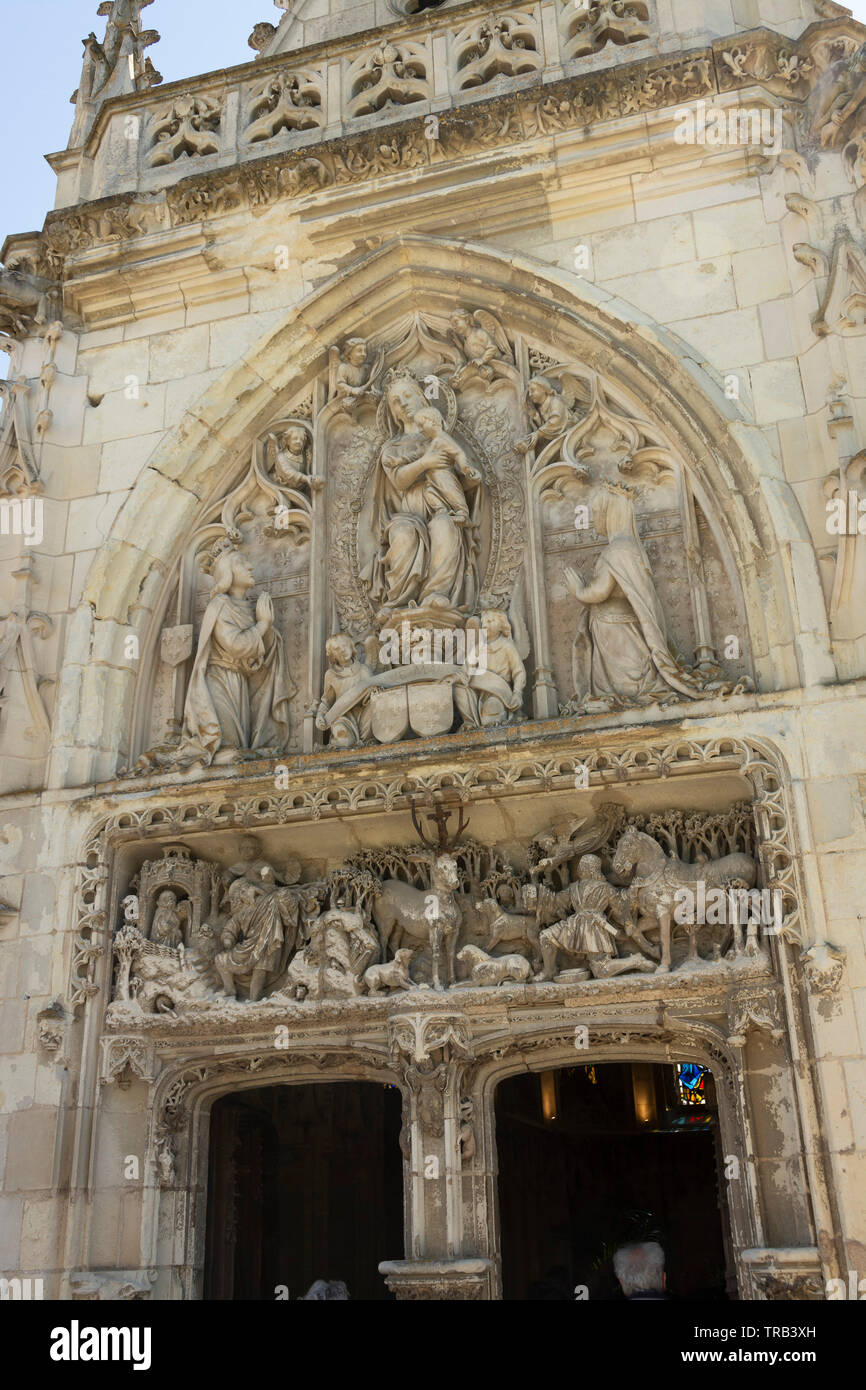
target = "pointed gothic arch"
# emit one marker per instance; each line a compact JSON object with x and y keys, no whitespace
{"x":732,"y":469}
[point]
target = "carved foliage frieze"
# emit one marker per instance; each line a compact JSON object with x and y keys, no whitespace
{"x":818,"y":72}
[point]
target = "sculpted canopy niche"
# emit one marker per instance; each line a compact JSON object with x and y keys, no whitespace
{"x":455,"y":527}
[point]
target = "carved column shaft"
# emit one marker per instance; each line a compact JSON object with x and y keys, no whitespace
{"x":705,"y":652}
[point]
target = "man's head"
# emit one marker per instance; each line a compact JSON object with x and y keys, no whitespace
{"x":640,"y":1268}
{"x":589,"y":867}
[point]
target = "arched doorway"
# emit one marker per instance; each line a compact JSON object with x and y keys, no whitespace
{"x":304,"y":1182}
{"x":594,"y":1156}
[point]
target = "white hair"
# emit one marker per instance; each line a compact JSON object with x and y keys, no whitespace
{"x":324,"y":1289}
{"x":640,"y":1268}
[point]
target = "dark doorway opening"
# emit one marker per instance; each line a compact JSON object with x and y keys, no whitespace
{"x":593,"y":1157}
{"x":304,"y":1183}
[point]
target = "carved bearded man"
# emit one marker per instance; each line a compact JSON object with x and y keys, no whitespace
{"x":261,"y":933}
{"x":240,"y":687}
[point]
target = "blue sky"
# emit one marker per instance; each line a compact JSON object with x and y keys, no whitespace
{"x":40,"y":64}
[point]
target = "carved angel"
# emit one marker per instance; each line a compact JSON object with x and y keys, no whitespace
{"x":568,"y":839}
{"x":558,"y":845}
{"x":551,"y":415}
{"x":481,"y":338}
{"x":291,"y":453}
{"x":351,"y":375}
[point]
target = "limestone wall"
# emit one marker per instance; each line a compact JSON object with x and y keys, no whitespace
{"x":198,"y":299}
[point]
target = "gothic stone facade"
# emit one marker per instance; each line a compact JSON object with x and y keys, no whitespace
{"x":424,"y":335}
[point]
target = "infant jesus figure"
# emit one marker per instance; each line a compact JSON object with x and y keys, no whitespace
{"x":442,"y":461}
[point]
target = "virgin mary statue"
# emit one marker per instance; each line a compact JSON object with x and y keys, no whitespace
{"x":621,"y":654}
{"x":240,"y":687}
{"x":425,"y":512}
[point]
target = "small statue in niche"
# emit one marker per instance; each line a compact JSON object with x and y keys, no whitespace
{"x":344,"y":709}
{"x":169,"y":920}
{"x":621,"y":655}
{"x":239,"y":691}
{"x":499,"y":688}
{"x":291,"y":453}
{"x":548,"y":412}
{"x":481,"y":339}
{"x":586,"y":930}
{"x":427,"y":546}
{"x":352,"y":375}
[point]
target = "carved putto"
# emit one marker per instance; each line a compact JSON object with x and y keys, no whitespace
{"x":351,"y":375}
{"x":291,"y":451}
{"x":482,"y":344}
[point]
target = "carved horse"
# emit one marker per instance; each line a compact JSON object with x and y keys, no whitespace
{"x":406,"y":915}
{"x":658,"y":877}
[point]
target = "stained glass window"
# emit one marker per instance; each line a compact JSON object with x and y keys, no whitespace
{"x":691,"y":1083}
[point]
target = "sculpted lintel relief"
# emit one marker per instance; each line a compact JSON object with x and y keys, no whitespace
{"x":596,"y":898}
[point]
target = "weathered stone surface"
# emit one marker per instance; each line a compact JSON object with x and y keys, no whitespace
{"x":440,"y":332}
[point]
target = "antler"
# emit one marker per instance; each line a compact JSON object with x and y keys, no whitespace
{"x":462,"y":822}
{"x":424,"y":839}
{"x":444,"y":842}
